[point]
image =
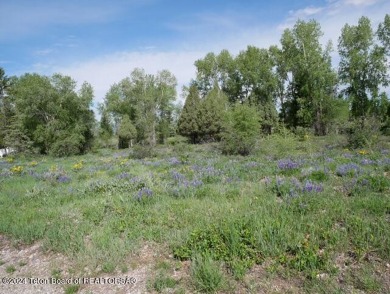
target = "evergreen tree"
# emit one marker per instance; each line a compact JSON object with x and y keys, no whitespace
{"x":211,"y":112}
{"x":188,"y":124}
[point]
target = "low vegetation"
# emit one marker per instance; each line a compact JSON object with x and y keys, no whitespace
{"x":308,"y":212}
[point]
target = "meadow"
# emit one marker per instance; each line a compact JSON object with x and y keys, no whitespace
{"x":297,"y":216}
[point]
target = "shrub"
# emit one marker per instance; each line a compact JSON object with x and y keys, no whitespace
{"x":240,"y":130}
{"x":141,"y":152}
{"x":363,"y":132}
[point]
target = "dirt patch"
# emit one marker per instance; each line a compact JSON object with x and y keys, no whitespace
{"x":28,"y":269}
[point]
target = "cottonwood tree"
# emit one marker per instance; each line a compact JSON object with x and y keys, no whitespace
{"x":312,"y":82}
{"x":147,"y":100}
{"x":258,"y":84}
{"x":50,"y":115}
{"x":362,"y":68}
{"x":6,"y":109}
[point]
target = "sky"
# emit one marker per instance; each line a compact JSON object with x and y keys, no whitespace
{"x":102,"y":41}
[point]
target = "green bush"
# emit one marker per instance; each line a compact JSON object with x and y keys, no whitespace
{"x":141,"y":152}
{"x":232,"y":243}
{"x":240,"y":129}
{"x":363,"y":132}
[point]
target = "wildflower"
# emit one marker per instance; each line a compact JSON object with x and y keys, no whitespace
{"x":124,"y":176}
{"x":17,"y":169}
{"x":312,"y":187}
{"x":123,"y":161}
{"x":78,"y":166}
{"x":347,"y":169}
{"x":33,"y":163}
{"x":63,"y":179}
{"x":367,"y":161}
{"x":178,"y":177}
{"x":251,"y":164}
{"x":348,"y":155}
{"x":54,"y":168}
{"x":287,"y":164}
{"x":196,"y":183}
{"x":363,"y":152}
{"x":174,"y":161}
{"x":144,"y":192}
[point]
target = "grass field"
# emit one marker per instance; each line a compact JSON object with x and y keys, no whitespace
{"x":297,"y":216}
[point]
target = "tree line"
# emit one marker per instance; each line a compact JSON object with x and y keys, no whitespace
{"x":232,"y":98}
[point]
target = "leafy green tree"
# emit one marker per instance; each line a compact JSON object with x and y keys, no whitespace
{"x":383,"y":33}
{"x":362,"y":66}
{"x":51,"y":115}
{"x":105,"y":128}
{"x":147,"y":100}
{"x":188,"y":124}
{"x":126,"y":133}
{"x":312,"y":82}
{"x":217,"y":69}
{"x":259,"y":84}
{"x":6,"y":108}
{"x":241,"y":128}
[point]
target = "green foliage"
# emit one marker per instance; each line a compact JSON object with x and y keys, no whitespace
{"x":141,"y":152}
{"x":10,"y":269}
{"x":188,"y":124}
{"x":363,"y":132}
{"x":211,"y":113}
{"x":105,"y":128}
{"x":305,"y":257}
{"x":126,"y":132}
{"x":312,"y":84}
{"x":233,"y":243}
{"x":148,"y":102}
{"x":241,"y":128}
{"x":50,"y":116}
{"x":162,"y":282}
{"x":362,"y":66}
{"x":206,"y":274}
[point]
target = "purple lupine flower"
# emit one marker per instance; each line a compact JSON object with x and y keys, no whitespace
{"x":144,"y":192}
{"x":309,"y":186}
{"x":348,"y":155}
{"x":346,"y":169}
{"x":178,"y":177}
{"x":174,"y":161}
{"x":196,"y":183}
{"x":287,"y":164}
{"x":124,"y":175}
{"x":367,"y":162}
{"x":279,"y":181}
{"x":63,"y":179}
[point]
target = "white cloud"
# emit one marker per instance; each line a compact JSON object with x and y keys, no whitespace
{"x":361,"y":2}
{"x":102,"y":72}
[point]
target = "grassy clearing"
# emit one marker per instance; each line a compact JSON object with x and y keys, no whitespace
{"x":294,"y":208}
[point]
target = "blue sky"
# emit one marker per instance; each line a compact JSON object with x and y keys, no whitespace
{"x":102,"y":41}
